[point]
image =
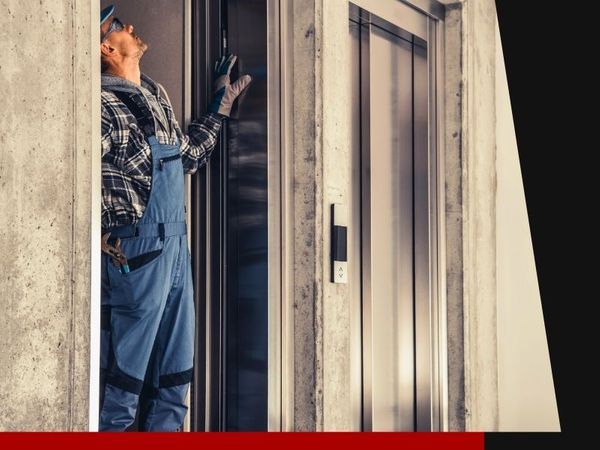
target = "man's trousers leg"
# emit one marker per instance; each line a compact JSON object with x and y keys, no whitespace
{"x":135,"y":302}
{"x":171,"y":366}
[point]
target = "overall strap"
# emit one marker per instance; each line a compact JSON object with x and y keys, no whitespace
{"x":141,"y":113}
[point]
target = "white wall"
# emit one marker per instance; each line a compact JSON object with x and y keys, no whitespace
{"x":526,"y":400}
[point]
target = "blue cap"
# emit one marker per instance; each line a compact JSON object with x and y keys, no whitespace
{"x":105,"y":13}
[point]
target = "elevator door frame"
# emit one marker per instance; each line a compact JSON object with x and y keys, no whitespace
{"x":424,"y":20}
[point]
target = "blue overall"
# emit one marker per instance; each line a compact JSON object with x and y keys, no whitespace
{"x":147,"y":343}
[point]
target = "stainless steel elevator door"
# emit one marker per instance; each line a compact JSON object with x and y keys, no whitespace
{"x":391,"y":226}
{"x":231,"y":225}
{"x":391,"y":211}
{"x":246,"y":265}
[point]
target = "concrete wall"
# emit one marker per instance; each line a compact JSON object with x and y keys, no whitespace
{"x":45,"y":198}
{"x":321,"y":163}
{"x":469,"y":56}
{"x":478,"y":172}
{"x":453,"y":87}
{"x":305,"y":186}
{"x":526,"y":397}
{"x":336,"y":95}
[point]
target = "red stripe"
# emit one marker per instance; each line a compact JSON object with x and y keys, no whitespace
{"x":246,"y":441}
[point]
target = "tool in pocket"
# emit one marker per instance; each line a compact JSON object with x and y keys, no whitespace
{"x":121,"y":257}
{"x":115,"y":251}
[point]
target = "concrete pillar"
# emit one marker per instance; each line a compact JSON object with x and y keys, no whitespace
{"x":454,"y":221}
{"x":45,"y":203}
{"x":479,"y":215}
{"x":321,"y":164}
{"x":336,"y":96}
{"x":470,"y":157}
{"x":307,"y":241}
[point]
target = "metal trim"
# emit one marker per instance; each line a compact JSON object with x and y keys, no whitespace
{"x":392,"y":12}
{"x":206,"y":257}
{"x":438,"y":167}
{"x":362,"y":16}
{"x":365,"y":125}
{"x":431,"y":8}
{"x":432,"y":61}
{"x":423,"y":243}
{"x":274,"y":269}
{"x":95,"y":232}
{"x":354,"y":247}
{"x":197,"y":248}
{"x":187,"y":69}
{"x":187,"y":114}
{"x":287,"y":215}
{"x":223,"y":228}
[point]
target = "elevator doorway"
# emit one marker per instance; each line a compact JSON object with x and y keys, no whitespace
{"x":231,"y":202}
{"x":394,"y":217}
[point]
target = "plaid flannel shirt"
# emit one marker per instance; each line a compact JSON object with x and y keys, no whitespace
{"x":126,"y":155}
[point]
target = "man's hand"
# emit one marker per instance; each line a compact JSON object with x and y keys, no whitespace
{"x":115,"y":252}
{"x":224,"y":92}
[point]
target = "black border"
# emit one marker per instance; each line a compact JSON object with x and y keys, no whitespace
{"x":543,"y":45}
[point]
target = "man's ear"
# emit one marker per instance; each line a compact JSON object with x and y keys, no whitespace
{"x":106,"y":49}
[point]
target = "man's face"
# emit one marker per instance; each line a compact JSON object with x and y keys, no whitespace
{"x":125,"y":41}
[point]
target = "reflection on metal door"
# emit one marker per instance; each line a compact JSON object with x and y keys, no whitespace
{"x":231,"y":224}
{"x":392,"y":204}
{"x":246,"y":314}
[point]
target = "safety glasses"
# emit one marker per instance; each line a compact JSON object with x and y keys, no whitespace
{"x":115,"y":25}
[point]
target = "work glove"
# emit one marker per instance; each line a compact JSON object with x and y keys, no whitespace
{"x":225,"y":93}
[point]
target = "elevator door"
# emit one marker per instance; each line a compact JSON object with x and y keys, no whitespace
{"x":246,"y":307}
{"x":230,"y":227}
{"x":391,"y":210}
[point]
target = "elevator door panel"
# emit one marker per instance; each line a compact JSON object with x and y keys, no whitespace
{"x":392,"y":231}
{"x":354,"y":231}
{"x":391,"y":201}
{"x":246,"y":244}
{"x":423,"y":288}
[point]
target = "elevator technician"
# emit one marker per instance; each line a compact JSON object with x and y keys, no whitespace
{"x":147,"y":342}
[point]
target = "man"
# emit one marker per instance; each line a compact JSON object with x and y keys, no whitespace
{"x":147,"y":295}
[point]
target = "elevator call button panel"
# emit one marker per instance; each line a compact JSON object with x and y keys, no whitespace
{"x":339,"y":243}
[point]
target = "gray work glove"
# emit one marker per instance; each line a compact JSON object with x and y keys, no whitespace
{"x":225,"y":93}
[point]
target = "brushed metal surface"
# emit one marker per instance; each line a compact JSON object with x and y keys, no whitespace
{"x":391,"y":197}
{"x":398,"y":313}
{"x":246,"y":319}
